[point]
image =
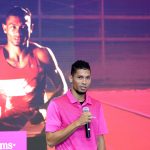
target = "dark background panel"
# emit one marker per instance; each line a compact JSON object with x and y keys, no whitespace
{"x":112,"y":35}
{"x":127,"y":7}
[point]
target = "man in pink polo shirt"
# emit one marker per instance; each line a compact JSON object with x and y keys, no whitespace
{"x":75,"y":121}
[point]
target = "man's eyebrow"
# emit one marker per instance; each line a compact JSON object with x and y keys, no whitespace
{"x":11,"y":24}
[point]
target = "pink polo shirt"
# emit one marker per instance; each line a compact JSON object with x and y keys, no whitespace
{"x":63,"y":110}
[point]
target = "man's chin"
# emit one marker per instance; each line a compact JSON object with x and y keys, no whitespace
{"x":81,"y":92}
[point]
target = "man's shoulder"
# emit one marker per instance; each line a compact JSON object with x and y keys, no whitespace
{"x":58,"y":101}
{"x":44,"y":54}
{"x":60,"y":98}
{"x":94,"y":100}
{"x":37,"y":47}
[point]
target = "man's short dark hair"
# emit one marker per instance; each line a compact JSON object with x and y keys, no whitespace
{"x":79,"y":64}
{"x":18,"y":11}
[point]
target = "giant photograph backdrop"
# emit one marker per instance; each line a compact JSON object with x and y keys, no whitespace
{"x":112,"y":35}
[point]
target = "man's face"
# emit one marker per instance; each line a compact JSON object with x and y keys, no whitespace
{"x":81,"y":81}
{"x":18,"y":30}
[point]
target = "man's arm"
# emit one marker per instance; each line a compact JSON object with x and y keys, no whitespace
{"x":101,"y":143}
{"x":55,"y":80}
{"x":54,"y":138}
{"x":55,"y":75}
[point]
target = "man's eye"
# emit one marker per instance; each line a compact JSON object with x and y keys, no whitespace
{"x":13,"y":27}
{"x":88,"y":78}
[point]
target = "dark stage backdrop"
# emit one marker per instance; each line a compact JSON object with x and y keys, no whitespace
{"x":113,"y":35}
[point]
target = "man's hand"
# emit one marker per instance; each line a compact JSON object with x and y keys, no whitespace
{"x":85,"y":118}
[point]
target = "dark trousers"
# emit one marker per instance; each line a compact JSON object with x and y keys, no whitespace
{"x":37,"y":143}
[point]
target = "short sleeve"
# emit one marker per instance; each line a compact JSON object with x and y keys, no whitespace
{"x":53,"y":119}
{"x":102,"y":123}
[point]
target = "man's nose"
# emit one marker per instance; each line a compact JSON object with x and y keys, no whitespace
{"x":84,"y":81}
{"x":18,"y":31}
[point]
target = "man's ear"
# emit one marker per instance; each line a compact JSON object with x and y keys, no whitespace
{"x":70,"y":78}
{"x":4,"y":28}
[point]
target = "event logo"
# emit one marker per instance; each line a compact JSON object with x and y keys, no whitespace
{"x":13,"y":140}
{"x":7,"y":146}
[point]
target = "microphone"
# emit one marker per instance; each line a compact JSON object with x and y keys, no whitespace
{"x":87,"y":126}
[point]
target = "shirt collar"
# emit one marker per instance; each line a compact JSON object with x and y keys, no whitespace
{"x":74,"y":100}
